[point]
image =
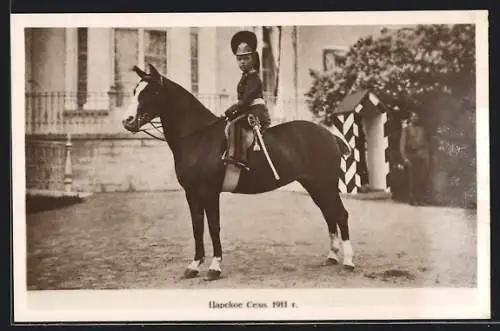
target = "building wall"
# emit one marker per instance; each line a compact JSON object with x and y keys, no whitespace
{"x":47,"y":54}
{"x":28,"y":54}
{"x":116,"y":164}
{"x":100,"y":61}
{"x":178,"y":56}
{"x":52,"y":64}
{"x":208,"y":65}
{"x":108,"y":165}
{"x":228,"y":74}
{"x":314,"y":39}
{"x":311,"y":40}
{"x":289,"y":104}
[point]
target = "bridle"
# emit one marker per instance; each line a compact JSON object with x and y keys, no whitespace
{"x":156,"y":124}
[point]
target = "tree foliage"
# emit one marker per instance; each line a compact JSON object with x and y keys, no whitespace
{"x":406,"y":68}
{"x":429,"y":69}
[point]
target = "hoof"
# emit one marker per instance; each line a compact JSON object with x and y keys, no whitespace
{"x":190,"y":273}
{"x":212,"y":275}
{"x":349,"y":267}
{"x":331,"y":261}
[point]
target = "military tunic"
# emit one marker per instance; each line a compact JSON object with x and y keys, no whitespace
{"x":251,"y":99}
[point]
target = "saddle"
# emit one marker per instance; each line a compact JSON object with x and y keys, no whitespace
{"x":239,"y":140}
{"x":240,"y":137}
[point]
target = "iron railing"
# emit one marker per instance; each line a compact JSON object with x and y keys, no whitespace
{"x":284,"y":109}
{"x":98,"y":113}
{"x":67,"y":112}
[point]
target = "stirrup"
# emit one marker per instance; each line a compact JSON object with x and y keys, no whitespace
{"x":236,"y":162}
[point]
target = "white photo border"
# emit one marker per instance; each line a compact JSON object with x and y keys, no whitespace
{"x":191,"y":305}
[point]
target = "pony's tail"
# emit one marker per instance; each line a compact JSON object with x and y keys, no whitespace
{"x":344,"y":146}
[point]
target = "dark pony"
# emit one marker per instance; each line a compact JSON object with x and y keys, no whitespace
{"x":300,"y":150}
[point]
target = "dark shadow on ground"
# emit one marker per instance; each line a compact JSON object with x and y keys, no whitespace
{"x":38,"y":203}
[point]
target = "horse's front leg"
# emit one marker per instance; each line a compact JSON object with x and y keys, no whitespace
{"x":197,"y":211}
{"x":211,"y":206}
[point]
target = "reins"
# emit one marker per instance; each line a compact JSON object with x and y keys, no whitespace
{"x":157,"y":124}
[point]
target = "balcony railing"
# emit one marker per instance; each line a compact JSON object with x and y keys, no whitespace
{"x":67,"y":112}
{"x":280,"y":109}
{"x":97,"y":113}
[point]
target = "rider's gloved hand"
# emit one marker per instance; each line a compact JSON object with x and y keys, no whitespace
{"x":231,"y":113}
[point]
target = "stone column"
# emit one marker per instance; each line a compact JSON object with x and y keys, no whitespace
{"x":99,"y":61}
{"x":258,"y":30}
{"x":283,"y":109}
{"x":70,"y":68}
{"x":207,"y":68}
{"x":28,"y":80}
{"x":179,"y":56}
{"x":295,"y":70}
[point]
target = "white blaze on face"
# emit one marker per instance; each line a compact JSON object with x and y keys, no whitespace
{"x":130,"y":113}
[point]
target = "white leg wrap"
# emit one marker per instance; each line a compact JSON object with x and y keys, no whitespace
{"x":332,"y":255}
{"x":195,"y":265}
{"x":348,"y":253}
{"x":215,"y":265}
{"x":334,"y":242}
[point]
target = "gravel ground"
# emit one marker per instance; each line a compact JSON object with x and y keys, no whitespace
{"x":275,"y":240}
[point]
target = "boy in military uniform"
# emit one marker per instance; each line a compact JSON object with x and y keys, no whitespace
{"x":250,"y":97}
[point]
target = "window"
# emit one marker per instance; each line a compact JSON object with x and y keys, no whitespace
{"x":81,"y":86}
{"x":332,"y":58}
{"x":155,"y":49}
{"x":136,"y":47}
{"x":194,"y":35}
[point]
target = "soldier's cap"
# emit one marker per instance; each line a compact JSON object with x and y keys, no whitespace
{"x":244,"y":42}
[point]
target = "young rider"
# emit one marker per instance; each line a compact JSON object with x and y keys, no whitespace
{"x":250,"y":95}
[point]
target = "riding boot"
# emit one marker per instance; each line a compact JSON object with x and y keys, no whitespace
{"x":241,"y":150}
{"x":244,"y":157}
{"x":234,"y":153}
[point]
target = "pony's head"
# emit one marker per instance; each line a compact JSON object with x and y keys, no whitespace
{"x":146,"y":102}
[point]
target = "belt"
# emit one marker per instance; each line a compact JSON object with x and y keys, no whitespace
{"x":258,"y":101}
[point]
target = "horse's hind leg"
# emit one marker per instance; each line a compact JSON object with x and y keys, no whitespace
{"x":326,"y":196}
{"x":344,"y":232}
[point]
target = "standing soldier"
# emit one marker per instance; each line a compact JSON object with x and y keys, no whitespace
{"x":414,"y":150}
{"x":250,"y":98}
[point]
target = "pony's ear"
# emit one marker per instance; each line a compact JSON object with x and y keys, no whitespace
{"x":154,"y":73}
{"x":139,"y":72}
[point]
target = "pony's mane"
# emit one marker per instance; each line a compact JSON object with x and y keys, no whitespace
{"x":186,"y":96}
